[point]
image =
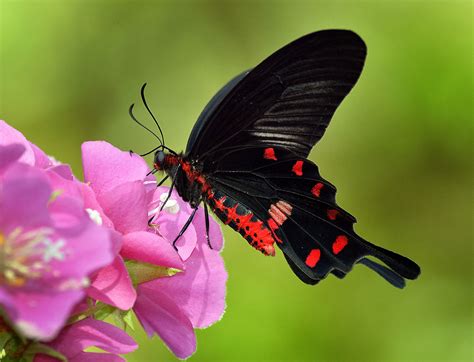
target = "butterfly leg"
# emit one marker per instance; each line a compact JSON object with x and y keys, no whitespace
{"x":206,"y":218}
{"x":173,"y":183}
{"x":184,"y":228}
{"x":167,"y":196}
{"x":163,"y":180}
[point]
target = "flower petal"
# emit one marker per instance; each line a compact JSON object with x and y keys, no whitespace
{"x":126,"y":206}
{"x":11,"y":135}
{"x":40,"y":315}
{"x":41,"y":159}
{"x":112,"y":285}
{"x":23,"y":198}
{"x":200,"y":290}
{"x":159,"y":314}
{"x":170,"y":224}
{"x":89,"y":332}
{"x":215,"y":232}
{"x":106,"y":167}
{"x":10,"y":153}
{"x":91,"y":203}
{"x":150,"y":248}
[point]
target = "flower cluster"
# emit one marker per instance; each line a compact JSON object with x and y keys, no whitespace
{"x":75,"y":256}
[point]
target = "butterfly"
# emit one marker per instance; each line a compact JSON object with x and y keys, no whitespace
{"x":246,"y":159}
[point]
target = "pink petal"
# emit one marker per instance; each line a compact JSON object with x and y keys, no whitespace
{"x":10,"y":153}
{"x":106,"y":167}
{"x":215,"y":231}
{"x":23,"y":198}
{"x":41,"y":159}
{"x":89,"y":332}
{"x":159,"y":314}
{"x":41,"y":316}
{"x":87,"y":251}
{"x":169,"y":225}
{"x":200,"y":290}
{"x":112,"y":285}
{"x":150,"y":248}
{"x":90,"y":202}
{"x":11,"y":135}
{"x":126,"y":206}
{"x":64,"y":171}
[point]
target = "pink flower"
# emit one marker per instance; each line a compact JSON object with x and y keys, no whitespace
{"x":74,"y":339}
{"x":49,"y":245}
{"x":173,"y":305}
{"x":56,"y":232}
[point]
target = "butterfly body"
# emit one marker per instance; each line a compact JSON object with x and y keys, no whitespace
{"x":193,"y":187}
{"x":246,"y":158}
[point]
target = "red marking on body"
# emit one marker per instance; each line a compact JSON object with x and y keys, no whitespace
{"x":298,"y":168}
{"x":313,"y":258}
{"x":332,"y":214}
{"x":194,"y":176}
{"x":219,"y":204}
{"x":232,"y":214}
{"x":316,"y":190}
{"x":269,"y":154}
{"x":255,"y":232}
{"x":339,"y":244}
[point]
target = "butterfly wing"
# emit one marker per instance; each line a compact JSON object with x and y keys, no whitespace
{"x":252,"y":140}
{"x":287,"y":100}
{"x":288,"y":195}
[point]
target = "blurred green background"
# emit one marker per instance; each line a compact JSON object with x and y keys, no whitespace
{"x":399,"y":149}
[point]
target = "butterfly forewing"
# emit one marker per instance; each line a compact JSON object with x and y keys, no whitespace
{"x":287,"y":100}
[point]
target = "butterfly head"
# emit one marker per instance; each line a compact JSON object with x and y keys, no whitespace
{"x":159,"y":160}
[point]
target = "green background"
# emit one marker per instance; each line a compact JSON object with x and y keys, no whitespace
{"x":399,"y":149}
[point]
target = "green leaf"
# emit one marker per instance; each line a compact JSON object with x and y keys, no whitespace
{"x":124,"y":319}
{"x":141,"y":272}
{"x":35,"y":348}
{"x":103,"y":311}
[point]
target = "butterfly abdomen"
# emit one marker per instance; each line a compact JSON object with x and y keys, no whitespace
{"x":241,"y":219}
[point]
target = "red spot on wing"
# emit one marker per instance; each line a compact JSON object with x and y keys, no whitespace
{"x":298,"y":168}
{"x":316,"y":190}
{"x":339,"y":244}
{"x":274,"y":227}
{"x":332,"y":214}
{"x":313,"y":258}
{"x":269,"y":154}
{"x":280,"y":211}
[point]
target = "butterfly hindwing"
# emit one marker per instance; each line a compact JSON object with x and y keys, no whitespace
{"x":289,"y":196}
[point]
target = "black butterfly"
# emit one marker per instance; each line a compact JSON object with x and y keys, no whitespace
{"x":246,"y":158}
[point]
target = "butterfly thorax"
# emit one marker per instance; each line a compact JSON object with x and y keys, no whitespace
{"x":190,"y":183}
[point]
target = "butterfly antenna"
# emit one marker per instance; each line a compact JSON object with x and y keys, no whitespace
{"x":130,"y":112}
{"x":142,"y":91}
{"x":147,"y":153}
